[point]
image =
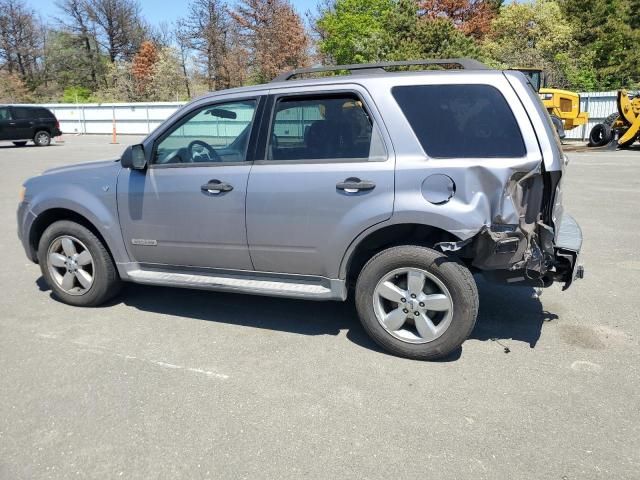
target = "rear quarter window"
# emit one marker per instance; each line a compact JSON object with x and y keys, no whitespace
{"x":44,"y":113}
{"x":461,"y":121}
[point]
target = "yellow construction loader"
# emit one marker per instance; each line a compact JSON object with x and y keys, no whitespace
{"x":563,"y":106}
{"x":621,"y":128}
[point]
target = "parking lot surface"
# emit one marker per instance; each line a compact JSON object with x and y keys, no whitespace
{"x":169,"y":383}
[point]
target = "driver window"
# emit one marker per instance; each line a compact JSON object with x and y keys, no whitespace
{"x":212,"y":134}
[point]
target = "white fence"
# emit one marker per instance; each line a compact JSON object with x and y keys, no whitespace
{"x":142,"y":118}
{"x":130,"y":118}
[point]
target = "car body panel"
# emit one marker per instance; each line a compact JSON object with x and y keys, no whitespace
{"x":87,"y":189}
{"x":297,"y":220}
{"x":166,"y":218}
{"x":297,"y":223}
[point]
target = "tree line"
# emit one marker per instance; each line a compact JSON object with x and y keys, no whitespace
{"x":105,"y":50}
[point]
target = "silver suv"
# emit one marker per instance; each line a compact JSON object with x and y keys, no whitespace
{"x":393,"y":185}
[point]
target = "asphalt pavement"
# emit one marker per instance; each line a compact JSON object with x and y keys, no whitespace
{"x":170,"y":383}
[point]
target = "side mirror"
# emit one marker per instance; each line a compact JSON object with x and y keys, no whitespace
{"x":133,"y":157}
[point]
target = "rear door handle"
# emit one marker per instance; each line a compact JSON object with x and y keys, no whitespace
{"x":216,"y":186}
{"x":355,"y":185}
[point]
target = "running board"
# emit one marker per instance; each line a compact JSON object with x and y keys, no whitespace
{"x":292,"y":286}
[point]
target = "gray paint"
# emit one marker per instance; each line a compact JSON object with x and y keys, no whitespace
{"x":296,"y":220}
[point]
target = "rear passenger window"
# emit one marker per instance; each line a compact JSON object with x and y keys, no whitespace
{"x":461,"y":121}
{"x":328,"y":127}
{"x":22,"y":113}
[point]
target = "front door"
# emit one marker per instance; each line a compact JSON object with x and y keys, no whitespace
{"x":187,"y":207}
{"x":326,"y":177}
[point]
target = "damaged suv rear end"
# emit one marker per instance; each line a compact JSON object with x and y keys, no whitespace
{"x":497,"y":169}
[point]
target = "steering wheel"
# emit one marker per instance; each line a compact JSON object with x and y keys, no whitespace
{"x":211,"y":153}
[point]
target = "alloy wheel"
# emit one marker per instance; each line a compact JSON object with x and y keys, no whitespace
{"x":71,"y":265}
{"x":413,"y":305}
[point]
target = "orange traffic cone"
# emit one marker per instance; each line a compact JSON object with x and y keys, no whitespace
{"x":114,"y":137}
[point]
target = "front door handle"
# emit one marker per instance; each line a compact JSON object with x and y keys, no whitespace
{"x":216,"y":186}
{"x":355,"y":185}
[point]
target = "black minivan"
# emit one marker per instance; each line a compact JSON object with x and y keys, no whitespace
{"x":21,"y":123}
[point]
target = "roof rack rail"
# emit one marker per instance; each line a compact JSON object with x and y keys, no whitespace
{"x":363,"y":68}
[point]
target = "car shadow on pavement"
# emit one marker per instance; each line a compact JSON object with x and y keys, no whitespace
{"x":506,"y":313}
{"x":509,"y":313}
{"x":28,"y":145}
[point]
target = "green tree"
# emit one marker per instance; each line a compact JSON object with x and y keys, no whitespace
{"x":67,"y":63}
{"x":358,"y":31}
{"x":531,"y":35}
{"x":411,"y":37}
{"x":353,"y":31}
{"x":167,"y":83}
{"x":607,"y":33}
{"x":76,"y":95}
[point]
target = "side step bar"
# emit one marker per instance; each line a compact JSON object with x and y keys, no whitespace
{"x":255,"y":283}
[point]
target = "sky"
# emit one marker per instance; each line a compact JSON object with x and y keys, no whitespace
{"x":155,"y":11}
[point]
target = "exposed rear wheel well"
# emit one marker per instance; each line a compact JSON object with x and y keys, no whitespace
{"x":393,"y":235}
{"x":48,"y":217}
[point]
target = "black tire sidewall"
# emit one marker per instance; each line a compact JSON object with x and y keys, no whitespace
{"x":605,"y":137}
{"x":37,"y":134}
{"x":455,"y":276}
{"x":106,"y":281}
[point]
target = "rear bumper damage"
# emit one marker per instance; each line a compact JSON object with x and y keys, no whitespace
{"x":510,"y":254}
{"x":568,"y":243}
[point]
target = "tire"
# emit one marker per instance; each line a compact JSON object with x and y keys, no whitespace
{"x":19,"y":144}
{"x":611,"y":119}
{"x":600,"y":135}
{"x":105,"y":281}
{"x":442,"y":273}
{"x":559,"y":126}
{"x":42,"y":138}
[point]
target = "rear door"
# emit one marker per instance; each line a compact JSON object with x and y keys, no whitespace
{"x":23,"y":122}
{"x":326,"y":175}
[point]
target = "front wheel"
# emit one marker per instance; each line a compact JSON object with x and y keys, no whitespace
{"x":76,"y":265}
{"x":416,"y":302}
{"x":20,"y":144}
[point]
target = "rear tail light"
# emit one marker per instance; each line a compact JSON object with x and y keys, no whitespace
{"x":57,"y":124}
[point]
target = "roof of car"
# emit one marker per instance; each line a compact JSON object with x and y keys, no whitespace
{"x":362,"y":73}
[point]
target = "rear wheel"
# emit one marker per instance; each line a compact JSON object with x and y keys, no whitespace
{"x":19,"y":144}
{"x":76,"y":265}
{"x":42,"y":138}
{"x":416,"y":302}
